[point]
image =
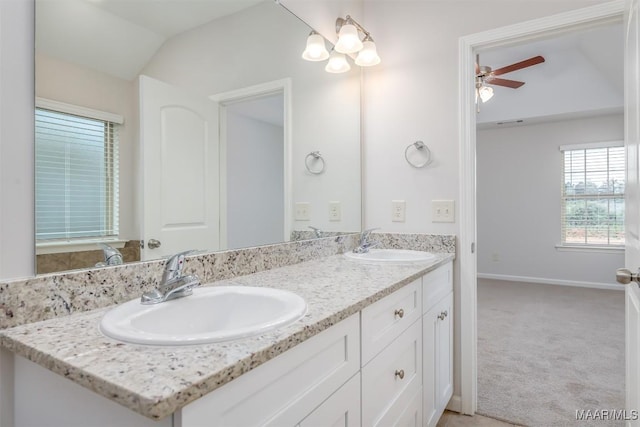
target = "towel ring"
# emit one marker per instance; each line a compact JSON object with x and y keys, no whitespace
{"x":420,"y":146}
{"x":316,"y":156}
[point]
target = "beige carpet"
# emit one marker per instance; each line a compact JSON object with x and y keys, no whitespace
{"x":545,"y":351}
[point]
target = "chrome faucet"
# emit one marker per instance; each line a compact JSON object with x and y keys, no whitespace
{"x":173,"y":284}
{"x":112,"y":256}
{"x":365,"y":244}
{"x":317,"y":231}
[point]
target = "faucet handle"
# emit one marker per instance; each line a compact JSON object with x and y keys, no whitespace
{"x":173,"y":267}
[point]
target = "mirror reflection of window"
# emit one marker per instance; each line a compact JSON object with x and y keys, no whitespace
{"x":76,"y":177}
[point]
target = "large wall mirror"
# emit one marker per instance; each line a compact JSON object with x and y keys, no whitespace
{"x":170,"y":125}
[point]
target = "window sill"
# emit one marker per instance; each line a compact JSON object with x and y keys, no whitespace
{"x":591,"y":249}
{"x":62,"y":246}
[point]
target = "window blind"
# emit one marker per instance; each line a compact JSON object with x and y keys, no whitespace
{"x":593,"y":185}
{"x":76,"y":167}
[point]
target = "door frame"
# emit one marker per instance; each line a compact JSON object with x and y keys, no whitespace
{"x":467,"y":47}
{"x":263,"y":89}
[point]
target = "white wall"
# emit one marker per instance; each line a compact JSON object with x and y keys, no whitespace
{"x":267,"y":46}
{"x":17,"y":238}
{"x":255,"y":181}
{"x":66,"y":82}
{"x":518,"y":193}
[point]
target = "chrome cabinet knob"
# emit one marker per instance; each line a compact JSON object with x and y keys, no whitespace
{"x":399,"y":313}
{"x":399,"y":373}
{"x":442,"y":315}
{"x":153,"y":244}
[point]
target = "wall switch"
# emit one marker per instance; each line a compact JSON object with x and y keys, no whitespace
{"x":443,"y":210}
{"x":398,"y":208}
{"x":303,"y":211}
{"x":335,"y":211}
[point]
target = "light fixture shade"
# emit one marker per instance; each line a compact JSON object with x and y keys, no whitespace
{"x":348,"y":39}
{"x":486,"y":93}
{"x":368,"y":56}
{"x":337,"y":63}
{"x":316,"y":49}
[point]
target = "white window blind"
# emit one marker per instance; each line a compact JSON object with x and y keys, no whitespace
{"x":76,"y":176}
{"x":593,"y":184}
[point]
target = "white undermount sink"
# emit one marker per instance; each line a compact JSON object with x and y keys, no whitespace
{"x":391,"y":256}
{"x":211,"y":314}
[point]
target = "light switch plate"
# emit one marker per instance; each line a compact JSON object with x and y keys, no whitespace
{"x":443,"y":210}
{"x":398,"y":210}
{"x":335,"y":211}
{"x":303,"y":211}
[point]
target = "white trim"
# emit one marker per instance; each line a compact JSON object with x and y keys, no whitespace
{"x":80,"y":245}
{"x":547,"y":281}
{"x":468,"y":45}
{"x":455,"y":404}
{"x":264,"y":89}
{"x":77,"y":110}
{"x":592,"y":249}
{"x":591,"y":145}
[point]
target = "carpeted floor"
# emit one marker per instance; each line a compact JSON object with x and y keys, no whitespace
{"x":545,"y":351}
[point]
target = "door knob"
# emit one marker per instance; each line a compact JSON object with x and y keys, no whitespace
{"x":625,"y":276}
{"x":153,"y":244}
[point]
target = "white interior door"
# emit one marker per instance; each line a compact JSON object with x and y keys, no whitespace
{"x":632,"y":209}
{"x":180,"y":170}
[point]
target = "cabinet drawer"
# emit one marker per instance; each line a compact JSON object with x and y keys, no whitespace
{"x":395,"y":372}
{"x":436,"y":285}
{"x":285,"y":389}
{"x":403,"y":414}
{"x":384,"y":320}
{"x":342,"y":409}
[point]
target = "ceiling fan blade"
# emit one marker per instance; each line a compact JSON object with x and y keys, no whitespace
{"x":519,"y":65}
{"x":513,"y":84}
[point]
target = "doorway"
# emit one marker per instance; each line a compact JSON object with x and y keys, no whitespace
{"x":506,"y":36}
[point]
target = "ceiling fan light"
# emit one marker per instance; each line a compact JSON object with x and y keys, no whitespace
{"x":316,"y":49}
{"x":368,"y":56}
{"x":337,"y":63}
{"x":486,"y":93}
{"x":348,"y":39}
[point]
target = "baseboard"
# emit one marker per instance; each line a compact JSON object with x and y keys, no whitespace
{"x":595,"y":285}
{"x":455,"y":404}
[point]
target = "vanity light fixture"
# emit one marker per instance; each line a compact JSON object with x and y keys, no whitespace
{"x":349,"y":42}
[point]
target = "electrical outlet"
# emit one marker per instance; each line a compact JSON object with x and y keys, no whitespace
{"x":443,"y":210}
{"x":398,"y":209}
{"x":303,"y":211}
{"x":335,"y":211}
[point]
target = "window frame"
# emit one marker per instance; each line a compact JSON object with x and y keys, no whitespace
{"x":84,"y":242}
{"x":591,"y":247}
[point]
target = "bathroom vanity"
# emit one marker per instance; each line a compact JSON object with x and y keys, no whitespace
{"x":375,"y":348}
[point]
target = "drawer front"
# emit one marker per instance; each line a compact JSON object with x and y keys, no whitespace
{"x":285,"y":389}
{"x":384,"y":320}
{"x":395,"y":372}
{"x":342,"y":409}
{"x":403,"y":414}
{"x":436,"y":285}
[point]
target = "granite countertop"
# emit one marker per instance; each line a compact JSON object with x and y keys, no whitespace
{"x":156,"y":381}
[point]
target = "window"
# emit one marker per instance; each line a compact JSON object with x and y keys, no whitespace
{"x":76,"y":176}
{"x":593,"y":181}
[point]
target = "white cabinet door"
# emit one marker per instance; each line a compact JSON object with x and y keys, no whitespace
{"x":437,"y":356}
{"x":341,"y":409}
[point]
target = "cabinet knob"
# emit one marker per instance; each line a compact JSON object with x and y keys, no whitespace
{"x":441,"y":316}
{"x":400,"y":373}
{"x":399,"y":313}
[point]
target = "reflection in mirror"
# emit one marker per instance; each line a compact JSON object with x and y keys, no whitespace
{"x":199,"y":119}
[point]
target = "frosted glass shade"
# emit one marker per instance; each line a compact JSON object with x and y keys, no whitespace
{"x":486,"y":93}
{"x":337,"y":63}
{"x":316,"y":49}
{"x":348,"y":39}
{"x":368,"y":56}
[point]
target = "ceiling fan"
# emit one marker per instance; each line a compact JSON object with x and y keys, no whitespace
{"x":485,"y":75}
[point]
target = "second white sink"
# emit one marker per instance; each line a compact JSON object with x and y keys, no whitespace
{"x":391,"y":256}
{"x":211,"y":314}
